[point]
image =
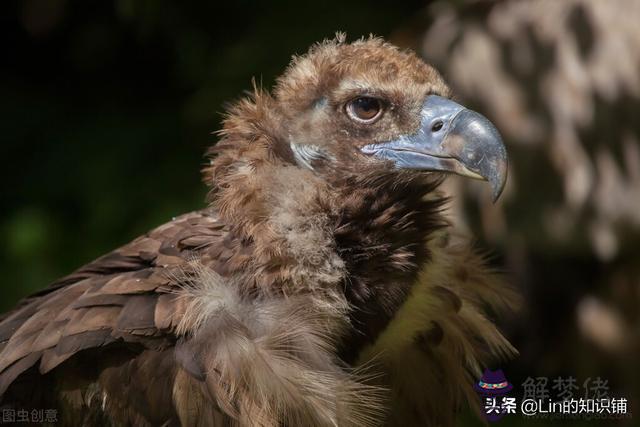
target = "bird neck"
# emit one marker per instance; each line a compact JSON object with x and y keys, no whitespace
{"x":363,"y":234}
{"x":384,"y":221}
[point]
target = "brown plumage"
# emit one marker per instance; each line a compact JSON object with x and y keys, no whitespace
{"x":319,"y":287}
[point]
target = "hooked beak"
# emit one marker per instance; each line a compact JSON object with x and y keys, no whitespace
{"x":451,"y":138}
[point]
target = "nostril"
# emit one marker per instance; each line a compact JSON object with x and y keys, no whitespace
{"x":436,"y":126}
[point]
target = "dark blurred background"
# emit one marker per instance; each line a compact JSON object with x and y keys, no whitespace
{"x":107,"y":107}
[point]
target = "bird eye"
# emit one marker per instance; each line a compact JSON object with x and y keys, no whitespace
{"x":364,"y":109}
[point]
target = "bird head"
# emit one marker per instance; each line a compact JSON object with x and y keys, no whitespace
{"x":348,"y":124}
{"x":348,"y":107}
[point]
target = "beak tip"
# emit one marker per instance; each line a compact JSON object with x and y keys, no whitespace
{"x":496,"y":195}
{"x":498,"y":181}
{"x":481,"y":150}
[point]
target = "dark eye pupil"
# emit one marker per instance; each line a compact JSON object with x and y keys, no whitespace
{"x":367,"y":104}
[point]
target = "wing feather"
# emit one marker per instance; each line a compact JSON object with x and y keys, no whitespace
{"x":126,"y":296}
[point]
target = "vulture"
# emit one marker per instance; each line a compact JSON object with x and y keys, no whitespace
{"x":321,"y":285}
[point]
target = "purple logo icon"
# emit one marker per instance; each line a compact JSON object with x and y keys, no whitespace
{"x":493,"y":389}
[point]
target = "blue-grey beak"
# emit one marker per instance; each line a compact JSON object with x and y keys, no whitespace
{"x":451,"y":138}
